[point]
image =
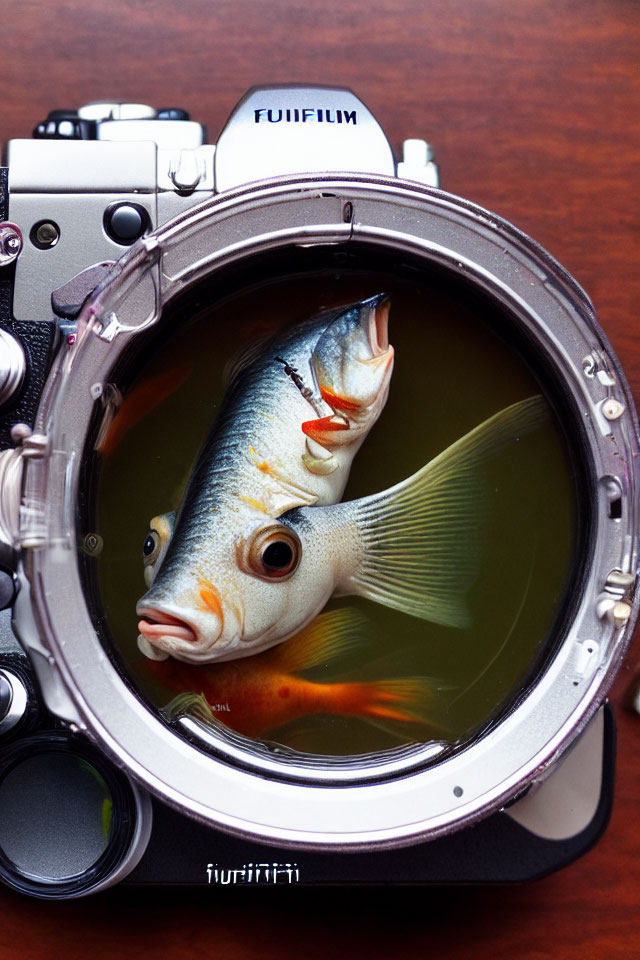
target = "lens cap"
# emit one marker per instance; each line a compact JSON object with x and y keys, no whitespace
{"x":69,"y":822}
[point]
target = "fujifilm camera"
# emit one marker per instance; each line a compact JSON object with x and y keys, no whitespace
{"x":318,"y":513}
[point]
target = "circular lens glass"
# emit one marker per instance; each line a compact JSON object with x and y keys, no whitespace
{"x":55,"y":816}
{"x":69,"y":822}
{"x":423,"y":612}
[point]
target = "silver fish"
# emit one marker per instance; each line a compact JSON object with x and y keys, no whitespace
{"x":231,"y":579}
{"x":296,"y":411}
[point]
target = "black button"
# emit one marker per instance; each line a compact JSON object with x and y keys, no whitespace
{"x":65,"y":125}
{"x":6,"y":696}
{"x":125,"y":222}
{"x":7,"y":589}
{"x":172,"y":113}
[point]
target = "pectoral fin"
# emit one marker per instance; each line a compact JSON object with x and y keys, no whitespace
{"x":421,"y":538}
{"x":328,"y":636}
{"x":191,"y":705}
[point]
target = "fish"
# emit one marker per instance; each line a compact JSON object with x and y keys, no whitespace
{"x":233,"y":578}
{"x":257,"y":694}
{"x":297,"y":408}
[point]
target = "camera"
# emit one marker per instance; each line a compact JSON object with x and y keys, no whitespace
{"x":318,"y":513}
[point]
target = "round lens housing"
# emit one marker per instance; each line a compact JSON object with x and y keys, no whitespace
{"x":68,"y":821}
{"x":537,"y":320}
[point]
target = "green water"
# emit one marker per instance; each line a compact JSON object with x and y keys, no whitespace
{"x":451,"y":373}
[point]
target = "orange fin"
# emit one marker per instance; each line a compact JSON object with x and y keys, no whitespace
{"x":410,"y":700}
{"x":325,"y":429}
{"x":328,"y":636}
{"x":336,"y":402}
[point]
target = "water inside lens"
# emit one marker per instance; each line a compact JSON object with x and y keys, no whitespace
{"x":455,"y":366}
{"x":55,"y":816}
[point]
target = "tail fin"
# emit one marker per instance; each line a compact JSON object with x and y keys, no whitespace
{"x":410,"y":699}
{"x":421,"y":537}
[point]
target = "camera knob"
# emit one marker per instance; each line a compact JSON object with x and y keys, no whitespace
{"x":116,"y":111}
{"x":13,"y":700}
{"x":12,"y":366}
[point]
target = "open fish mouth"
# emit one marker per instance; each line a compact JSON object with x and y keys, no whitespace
{"x":378,"y":325}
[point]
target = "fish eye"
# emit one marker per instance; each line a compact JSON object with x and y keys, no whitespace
{"x":274,"y":553}
{"x":277,"y":556}
{"x":151,"y":547}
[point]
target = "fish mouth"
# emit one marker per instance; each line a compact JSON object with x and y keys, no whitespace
{"x":163,"y":625}
{"x":378,"y":324}
{"x":163,"y":634}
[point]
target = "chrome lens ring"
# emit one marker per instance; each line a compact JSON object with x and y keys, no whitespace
{"x":76,"y":774}
{"x":397,"y":799}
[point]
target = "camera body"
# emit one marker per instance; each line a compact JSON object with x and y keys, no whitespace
{"x":107,"y":216}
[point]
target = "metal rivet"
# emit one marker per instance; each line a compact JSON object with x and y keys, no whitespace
{"x":93,"y":544}
{"x":612,"y":409}
{"x":44,"y":234}
{"x":10,"y":243}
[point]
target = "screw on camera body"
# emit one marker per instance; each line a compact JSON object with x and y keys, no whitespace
{"x":93,"y":544}
{"x":10,"y":243}
{"x":44,"y":234}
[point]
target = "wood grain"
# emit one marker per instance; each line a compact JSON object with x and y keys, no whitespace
{"x":534,"y":108}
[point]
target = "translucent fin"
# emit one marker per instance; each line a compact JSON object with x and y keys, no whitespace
{"x":421,"y":537}
{"x":189,"y":704}
{"x":422,"y":700}
{"x":327,"y":637}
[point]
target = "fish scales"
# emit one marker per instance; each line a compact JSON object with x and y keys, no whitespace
{"x":261,"y":541}
{"x":259,"y":413}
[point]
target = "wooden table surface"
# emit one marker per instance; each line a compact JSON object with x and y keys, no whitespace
{"x":534,"y":108}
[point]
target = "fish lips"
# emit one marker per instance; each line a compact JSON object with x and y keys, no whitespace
{"x":360,"y":383}
{"x":162,"y":634}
